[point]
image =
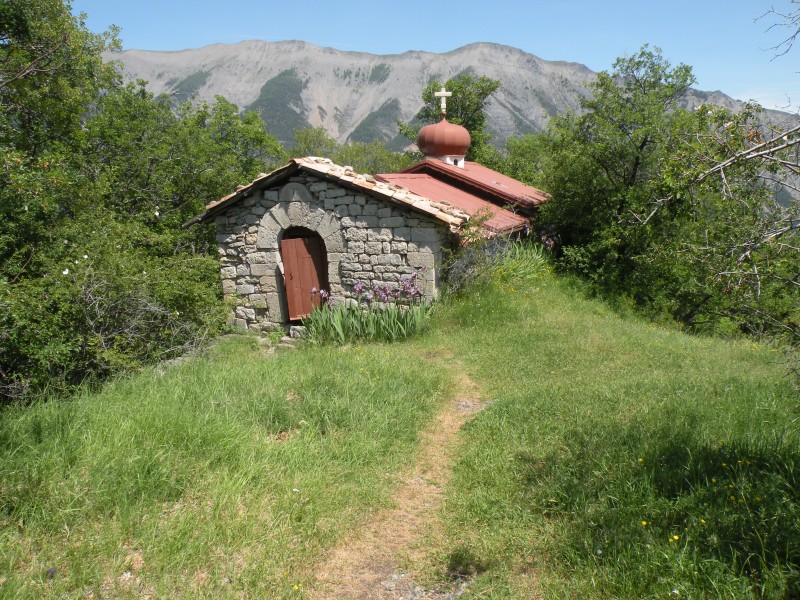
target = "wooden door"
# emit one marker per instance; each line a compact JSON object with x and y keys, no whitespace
{"x":303,"y":271}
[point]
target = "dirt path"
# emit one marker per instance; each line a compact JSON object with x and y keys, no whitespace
{"x":368,"y":564}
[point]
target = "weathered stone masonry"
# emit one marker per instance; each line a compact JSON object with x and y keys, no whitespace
{"x":366,"y":239}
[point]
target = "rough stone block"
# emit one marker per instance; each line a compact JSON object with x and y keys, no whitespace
{"x":245,"y":289}
{"x":257,"y":258}
{"x":355,"y":234}
{"x":228,"y":286}
{"x":298,"y":213}
{"x":424,"y":235}
{"x":242,"y":270}
{"x":335,"y":192}
{"x":259,"y":270}
{"x":320,"y":186}
{"x":268,"y":283}
{"x":367,"y":221}
{"x":355,"y":247}
{"x":334,"y":243}
{"x":356,"y":209}
{"x":228,"y":272}
{"x":274,"y":307}
{"x":420,"y":259}
{"x":342,"y":210}
{"x":392,"y":222}
{"x":370,"y":209}
{"x":373,"y":247}
{"x":402,"y":233}
{"x":400,"y":247}
{"x":389,"y":259}
{"x":379,"y":235}
{"x":384,"y":212}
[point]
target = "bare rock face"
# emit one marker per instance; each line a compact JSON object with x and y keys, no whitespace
{"x":358,"y":96}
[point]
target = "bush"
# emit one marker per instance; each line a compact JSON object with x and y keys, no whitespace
{"x":479,"y":263}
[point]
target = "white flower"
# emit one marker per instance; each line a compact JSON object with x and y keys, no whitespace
{"x":295,"y":490}
{"x":85,"y":256}
{"x":156,"y":213}
{"x":65,"y":272}
{"x":76,"y":262}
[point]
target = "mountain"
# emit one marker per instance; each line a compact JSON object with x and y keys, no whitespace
{"x":358,"y":96}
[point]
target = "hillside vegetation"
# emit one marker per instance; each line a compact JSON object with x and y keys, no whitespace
{"x":614,"y":459}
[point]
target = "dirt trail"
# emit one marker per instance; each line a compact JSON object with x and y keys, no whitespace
{"x":367,"y":565}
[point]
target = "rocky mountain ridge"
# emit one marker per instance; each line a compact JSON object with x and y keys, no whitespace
{"x":358,"y":96}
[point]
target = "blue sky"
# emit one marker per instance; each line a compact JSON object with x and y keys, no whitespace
{"x":722,"y":40}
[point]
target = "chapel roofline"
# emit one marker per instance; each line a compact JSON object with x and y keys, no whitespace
{"x":326,"y":169}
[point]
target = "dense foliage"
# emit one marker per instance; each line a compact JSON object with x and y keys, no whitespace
{"x":466,"y":107}
{"x":96,"y":274}
{"x":363,"y":157}
{"x":668,"y":209}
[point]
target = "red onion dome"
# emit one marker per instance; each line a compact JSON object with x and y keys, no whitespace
{"x":443,"y":139}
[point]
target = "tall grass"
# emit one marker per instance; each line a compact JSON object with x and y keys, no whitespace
{"x":227,"y":476}
{"x":617,"y":459}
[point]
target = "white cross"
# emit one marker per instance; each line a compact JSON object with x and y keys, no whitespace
{"x":444,"y":95}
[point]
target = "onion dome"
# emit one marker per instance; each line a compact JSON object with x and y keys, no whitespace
{"x":443,"y":139}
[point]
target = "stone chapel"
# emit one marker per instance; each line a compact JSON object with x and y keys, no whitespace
{"x":313,"y":225}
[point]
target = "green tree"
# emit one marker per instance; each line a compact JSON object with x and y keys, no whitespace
{"x":675,"y":210}
{"x":51,"y":69}
{"x":604,"y":167}
{"x":466,"y":107}
{"x":313,"y":141}
{"x":96,"y":273}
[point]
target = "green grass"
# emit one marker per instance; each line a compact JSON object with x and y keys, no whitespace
{"x":226,"y":476}
{"x":596,"y":424}
{"x":617,"y":459}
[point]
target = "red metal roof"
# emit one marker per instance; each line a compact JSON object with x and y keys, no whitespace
{"x":502,"y":220}
{"x":505,"y":189}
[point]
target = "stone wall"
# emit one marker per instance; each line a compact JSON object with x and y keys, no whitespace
{"x":366,"y":240}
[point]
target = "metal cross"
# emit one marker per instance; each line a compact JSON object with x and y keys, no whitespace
{"x":444,"y":95}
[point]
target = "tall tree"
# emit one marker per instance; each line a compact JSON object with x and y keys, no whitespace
{"x":51,"y":69}
{"x":466,"y":107}
{"x":675,"y":209}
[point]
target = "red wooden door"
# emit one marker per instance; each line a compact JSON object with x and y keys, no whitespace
{"x":302,"y":272}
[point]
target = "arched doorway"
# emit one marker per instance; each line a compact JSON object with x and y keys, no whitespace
{"x":305,"y":268}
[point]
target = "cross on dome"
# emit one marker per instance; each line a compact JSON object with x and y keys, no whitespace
{"x":444,"y":95}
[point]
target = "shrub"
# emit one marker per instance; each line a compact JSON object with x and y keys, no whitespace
{"x":480,"y":262}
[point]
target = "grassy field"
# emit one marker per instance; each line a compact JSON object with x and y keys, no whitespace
{"x":227,"y":476}
{"x":616,"y":459}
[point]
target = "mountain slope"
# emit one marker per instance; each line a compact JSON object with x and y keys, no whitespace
{"x":358,"y":96}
